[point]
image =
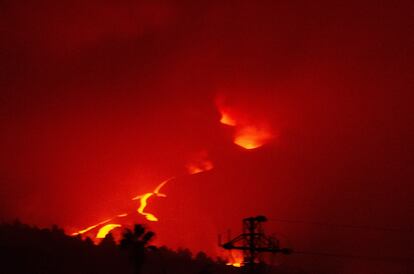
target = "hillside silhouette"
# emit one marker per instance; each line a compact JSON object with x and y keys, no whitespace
{"x":28,"y":249}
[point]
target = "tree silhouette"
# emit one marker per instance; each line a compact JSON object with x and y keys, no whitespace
{"x":108,"y":242}
{"x":29,"y":249}
{"x":135,"y":243}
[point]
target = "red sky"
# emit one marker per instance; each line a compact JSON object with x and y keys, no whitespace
{"x":101,"y":101}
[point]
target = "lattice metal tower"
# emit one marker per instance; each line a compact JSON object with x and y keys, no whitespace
{"x":253,"y":241}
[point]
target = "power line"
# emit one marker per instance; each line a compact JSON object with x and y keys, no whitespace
{"x":356,"y":257}
{"x":347,"y":226}
{"x":361,"y":227}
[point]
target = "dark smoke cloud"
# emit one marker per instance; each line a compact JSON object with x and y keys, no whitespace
{"x":103,"y":100}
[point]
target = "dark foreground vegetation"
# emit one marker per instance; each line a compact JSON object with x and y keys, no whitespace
{"x":27,"y":249}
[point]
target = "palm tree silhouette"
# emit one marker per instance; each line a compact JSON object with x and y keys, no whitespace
{"x":135,"y":242}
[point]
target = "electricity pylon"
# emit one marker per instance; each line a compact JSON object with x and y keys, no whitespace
{"x":253,"y":241}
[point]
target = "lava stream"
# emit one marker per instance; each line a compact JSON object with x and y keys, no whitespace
{"x":103,"y":231}
{"x":90,"y":227}
{"x":144,"y":200}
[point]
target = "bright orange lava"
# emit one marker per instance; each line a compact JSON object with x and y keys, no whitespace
{"x":144,"y":201}
{"x":236,"y":261}
{"x":90,"y":227}
{"x":105,"y":230}
{"x":235,"y":264}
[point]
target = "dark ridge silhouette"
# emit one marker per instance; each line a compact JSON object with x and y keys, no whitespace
{"x":28,"y":249}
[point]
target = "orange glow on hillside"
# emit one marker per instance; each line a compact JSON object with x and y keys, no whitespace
{"x":193,"y":169}
{"x":105,"y":230}
{"x":201,"y":164}
{"x":236,"y":261}
{"x":90,"y":227}
{"x":251,"y":137}
{"x":226,"y":119}
{"x":144,"y":201}
{"x":249,"y":134}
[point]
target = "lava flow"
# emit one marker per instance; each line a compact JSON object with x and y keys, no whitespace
{"x":248,"y":135}
{"x":202,"y":164}
{"x":90,"y":228}
{"x":104,"y":230}
{"x":144,"y":201}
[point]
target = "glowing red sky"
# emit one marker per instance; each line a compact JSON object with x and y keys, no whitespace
{"x":101,"y":101}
